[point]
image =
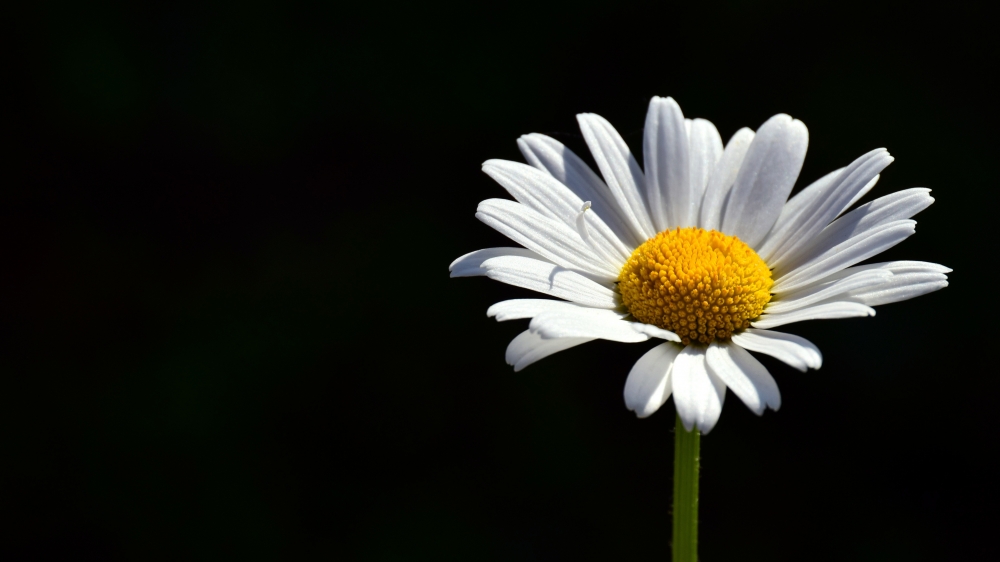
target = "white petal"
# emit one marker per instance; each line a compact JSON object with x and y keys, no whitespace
{"x":817,"y":293}
{"x":648,"y":383}
{"x":705,"y":150}
{"x":545,"y":194}
{"x":825,"y":311}
{"x":791,"y":212}
{"x":655,"y":332}
{"x":528,"y":348}
{"x":665,"y":154}
{"x":897,"y":293}
{"x":468,"y":265}
{"x":620,"y":170}
{"x":744,"y":375}
{"x":550,"y":155}
{"x":516,"y":309}
{"x":845,"y":254}
{"x":550,"y":279}
{"x":900,"y":267}
{"x":895,"y":206}
{"x":553,"y":240}
{"x":896,"y":267}
{"x":796,"y":351}
{"x":831,"y":202}
{"x":586,"y":323}
{"x":698,"y":394}
{"x":864,"y":190}
{"x":765,"y":179}
{"x":909,"y":280}
{"x":762,"y":380}
{"x":722,"y":178}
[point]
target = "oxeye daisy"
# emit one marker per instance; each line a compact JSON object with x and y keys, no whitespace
{"x":701,"y":247}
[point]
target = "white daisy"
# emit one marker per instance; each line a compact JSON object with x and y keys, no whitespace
{"x":700,"y":249}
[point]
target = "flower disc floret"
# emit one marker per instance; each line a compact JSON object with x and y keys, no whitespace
{"x":700,"y":284}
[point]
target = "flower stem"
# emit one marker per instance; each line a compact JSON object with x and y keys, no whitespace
{"x":687,"y":448}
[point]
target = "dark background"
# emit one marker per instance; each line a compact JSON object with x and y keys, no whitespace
{"x":227,"y":329}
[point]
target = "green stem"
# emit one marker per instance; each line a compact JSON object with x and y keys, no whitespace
{"x":687,"y":458}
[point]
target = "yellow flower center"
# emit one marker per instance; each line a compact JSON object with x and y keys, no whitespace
{"x":700,"y":284}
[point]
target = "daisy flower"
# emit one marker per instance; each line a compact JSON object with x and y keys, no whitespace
{"x":701,"y":247}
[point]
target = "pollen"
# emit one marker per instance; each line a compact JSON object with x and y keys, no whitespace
{"x":700,"y":284}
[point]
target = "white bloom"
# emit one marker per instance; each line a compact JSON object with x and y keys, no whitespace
{"x":702,"y":249}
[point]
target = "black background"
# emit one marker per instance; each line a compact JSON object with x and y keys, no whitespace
{"x":227,"y":329}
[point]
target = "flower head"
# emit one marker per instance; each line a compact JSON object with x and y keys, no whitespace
{"x":702,"y":248}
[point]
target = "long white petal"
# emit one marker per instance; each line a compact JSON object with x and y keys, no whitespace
{"x":860,"y":281}
{"x":845,"y":254}
{"x":468,"y":264}
{"x":796,"y":351}
{"x":864,"y":190}
{"x":648,"y":384}
{"x":765,"y":179}
{"x":721,"y":181}
{"x":550,"y":279}
{"x":744,"y":375}
{"x":698,"y":394}
{"x":704,"y":150}
{"x":900,"y":288}
{"x":896,"y":267}
{"x":586,"y":323}
{"x":550,"y":155}
{"x":528,"y":348}
{"x":620,"y":170}
{"x":831,"y":202}
{"x":825,"y":311}
{"x":788,"y":219}
{"x":655,"y":332}
{"x":665,"y":154}
{"x":553,"y":240}
{"x":762,"y":380}
{"x":910,"y":279}
{"x":895,"y":206}
{"x":515,"y":309}
{"x":547,"y":195}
